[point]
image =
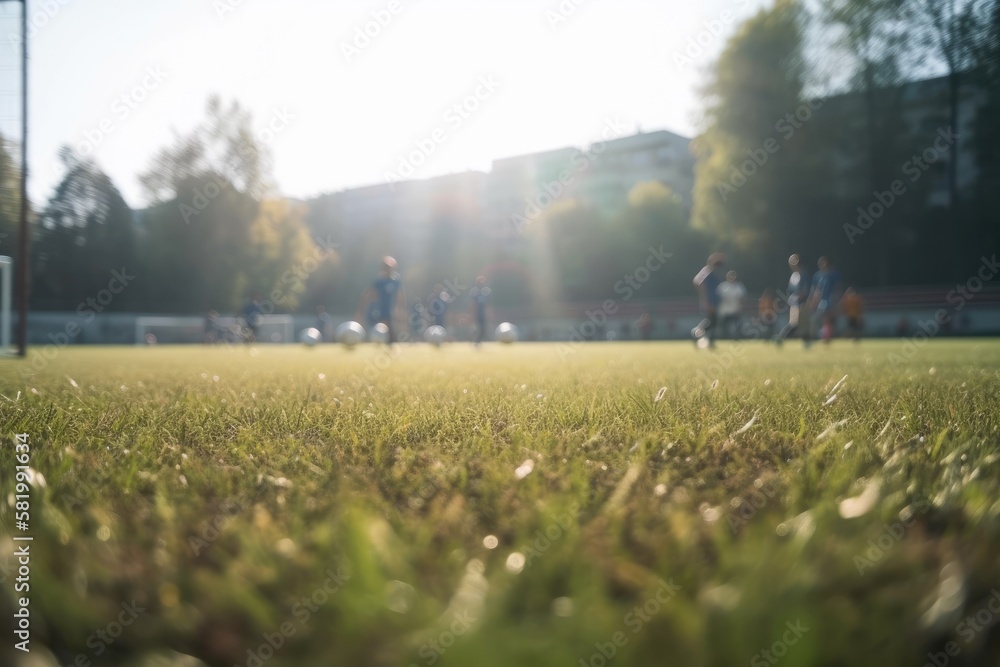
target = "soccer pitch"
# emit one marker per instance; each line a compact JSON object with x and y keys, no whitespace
{"x":534,"y":504}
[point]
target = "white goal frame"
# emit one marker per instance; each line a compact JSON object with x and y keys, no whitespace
{"x":6,"y":278}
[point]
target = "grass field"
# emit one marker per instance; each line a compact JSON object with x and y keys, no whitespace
{"x":523,"y":505}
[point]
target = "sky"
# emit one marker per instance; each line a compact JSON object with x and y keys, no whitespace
{"x":345,"y":94}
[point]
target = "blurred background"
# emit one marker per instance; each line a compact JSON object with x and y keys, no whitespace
{"x":210,"y":151}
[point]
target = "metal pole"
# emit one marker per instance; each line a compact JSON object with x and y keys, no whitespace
{"x":22,"y":263}
{"x":7,"y":276}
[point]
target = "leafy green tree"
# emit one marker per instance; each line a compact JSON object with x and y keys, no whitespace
{"x":86,"y":233}
{"x":752,"y":172}
{"x":214,"y":236}
{"x":10,"y":198}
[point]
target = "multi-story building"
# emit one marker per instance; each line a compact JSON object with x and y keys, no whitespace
{"x":660,"y":156}
{"x":521,"y":187}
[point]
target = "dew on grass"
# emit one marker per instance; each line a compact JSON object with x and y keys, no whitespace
{"x":399,"y":596}
{"x":515,"y":562}
{"x":710,"y":514}
{"x":286,"y":547}
{"x":950,"y":596}
{"x":524,"y":469}
{"x":169,"y":595}
{"x":831,"y":430}
{"x":491,"y":542}
{"x":746,"y":427}
{"x":36,"y":479}
{"x":724,"y":597}
{"x":856,"y":506}
{"x":562,"y":607}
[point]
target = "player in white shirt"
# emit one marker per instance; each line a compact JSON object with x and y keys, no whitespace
{"x":731,"y":295}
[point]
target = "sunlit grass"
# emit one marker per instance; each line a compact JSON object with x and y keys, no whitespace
{"x":218,"y":487}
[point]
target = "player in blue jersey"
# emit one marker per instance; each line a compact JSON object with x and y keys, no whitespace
{"x":384,"y":296}
{"x":798,"y":297}
{"x":480,"y":297}
{"x":707,"y":284}
{"x":822,"y":300}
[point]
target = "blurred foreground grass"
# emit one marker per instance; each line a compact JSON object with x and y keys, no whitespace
{"x":530,"y":505}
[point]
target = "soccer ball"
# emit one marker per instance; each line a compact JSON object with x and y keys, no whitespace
{"x":310,"y":337}
{"x":350,"y":334}
{"x":380,"y":334}
{"x":435,"y":335}
{"x":507,"y":333}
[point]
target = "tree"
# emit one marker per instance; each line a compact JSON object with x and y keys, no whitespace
{"x":213,"y":235}
{"x":86,"y":233}
{"x":222,"y":148}
{"x":283,"y":255}
{"x":752,"y":176}
{"x":10,"y":198}
{"x":655,"y":218}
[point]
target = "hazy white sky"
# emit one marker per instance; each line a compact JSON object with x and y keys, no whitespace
{"x":348,"y":116}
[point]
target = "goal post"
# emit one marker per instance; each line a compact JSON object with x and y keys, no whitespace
{"x":6,"y":283}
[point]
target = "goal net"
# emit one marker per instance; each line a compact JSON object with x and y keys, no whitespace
{"x":191,"y":330}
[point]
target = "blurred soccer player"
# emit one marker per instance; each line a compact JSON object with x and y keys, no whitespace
{"x":798,"y":296}
{"x":853,"y":308}
{"x":707,"y":283}
{"x":480,"y":296}
{"x":384,"y":294}
{"x":731,"y":295}
{"x":822,"y":300}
